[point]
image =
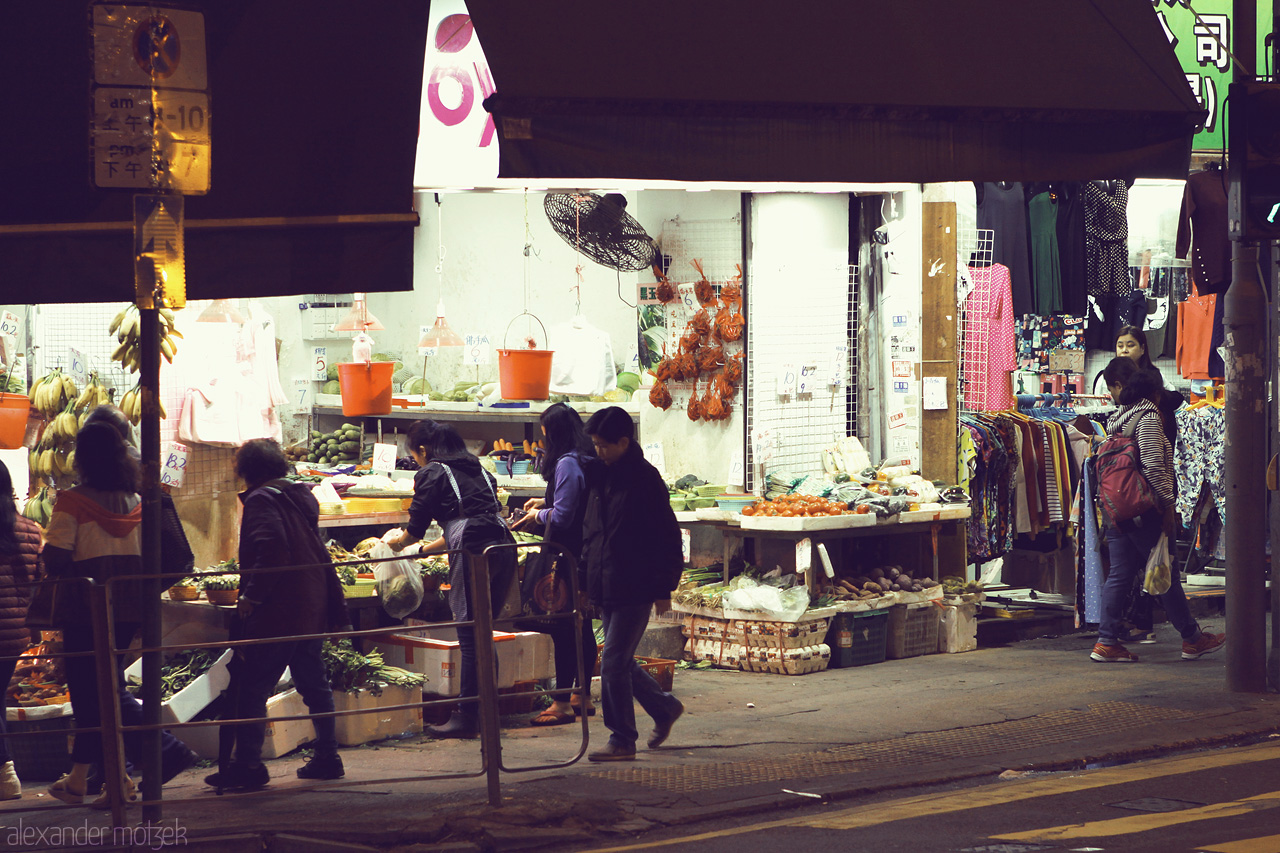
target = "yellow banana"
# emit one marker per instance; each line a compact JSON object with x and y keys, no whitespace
{"x":71,"y":466}
{"x":117,"y":320}
{"x":167,"y":349}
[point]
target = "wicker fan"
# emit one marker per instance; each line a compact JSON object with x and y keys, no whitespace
{"x":600,"y":228}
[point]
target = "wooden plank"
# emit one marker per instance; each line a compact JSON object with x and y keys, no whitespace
{"x":939,"y":330}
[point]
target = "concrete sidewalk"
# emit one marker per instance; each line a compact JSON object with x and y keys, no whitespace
{"x":748,"y":743}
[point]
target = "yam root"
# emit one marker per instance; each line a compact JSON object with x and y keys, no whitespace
{"x":705,"y":293}
{"x":665,"y":371}
{"x":733,"y":369}
{"x":694,"y":409}
{"x":701,"y":323}
{"x":710,"y":358}
{"x":731,"y":293}
{"x":666,"y":291}
{"x":660,"y":396}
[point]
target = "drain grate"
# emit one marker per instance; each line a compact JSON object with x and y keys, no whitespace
{"x":1053,"y":727}
{"x":1155,"y":804}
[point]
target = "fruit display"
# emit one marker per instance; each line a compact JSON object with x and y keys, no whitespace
{"x":94,"y":394}
{"x":798,"y":506}
{"x":131,"y":405}
{"x":39,"y":507}
{"x":52,"y":393}
{"x":127,"y":327}
{"x":38,"y":679}
{"x":56,"y":397}
{"x":876,"y":582}
{"x":340,"y":447}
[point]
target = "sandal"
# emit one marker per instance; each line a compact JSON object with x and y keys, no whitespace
{"x":103,"y":800}
{"x":59,"y":790}
{"x":576,"y":704}
{"x":552,"y":717}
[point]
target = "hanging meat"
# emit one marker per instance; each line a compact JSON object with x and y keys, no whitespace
{"x":703,"y":290}
{"x":666,"y":291}
{"x":660,"y":396}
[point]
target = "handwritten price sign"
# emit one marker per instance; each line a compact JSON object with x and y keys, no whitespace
{"x":175,"y":466}
{"x":77,"y":366}
{"x":320,"y":363}
{"x":788,"y":376}
{"x":384,"y":457}
{"x":430,"y":352}
{"x":477,"y":348}
{"x":9,"y":323}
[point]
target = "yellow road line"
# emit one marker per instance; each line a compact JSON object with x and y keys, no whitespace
{"x":1265,"y":844}
{"x":1146,"y":822}
{"x":928,"y":805}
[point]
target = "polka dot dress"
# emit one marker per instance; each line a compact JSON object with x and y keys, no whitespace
{"x":1106,"y":236}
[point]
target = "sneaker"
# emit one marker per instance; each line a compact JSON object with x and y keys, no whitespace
{"x":239,"y":777}
{"x":10,"y":785}
{"x":1205,"y":644}
{"x":613,"y":752}
{"x":322,"y":767}
{"x":1143,"y":637}
{"x":662,"y":728}
{"x":1113,"y":654}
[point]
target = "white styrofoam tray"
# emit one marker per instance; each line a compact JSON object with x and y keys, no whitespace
{"x":830,"y":522}
{"x":946,"y":514}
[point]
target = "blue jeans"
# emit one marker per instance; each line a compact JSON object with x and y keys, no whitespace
{"x":259,"y":671}
{"x":1129,"y":548}
{"x":622,"y":680}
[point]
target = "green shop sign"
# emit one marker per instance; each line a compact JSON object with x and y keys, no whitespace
{"x":1198,"y":41}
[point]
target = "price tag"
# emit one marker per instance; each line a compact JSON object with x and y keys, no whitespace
{"x":686,"y":543}
{"x":653,"y":453}
{"x":9,"y":323}
{"x":302,"y":393}
{"x":384,"y":457}
{"x":935,"y":392}
{"x":737,"y":470}
{"x":320,"y":364}
{"x":840,"y":371}
{"x":175,"y":465}
{"x":477,"y":351}
{"x":788,"y":376}
{"x":77,"y":366}
{"x":807,"y":379}
{"x":429,"y":352}
{"x":804,"y":555}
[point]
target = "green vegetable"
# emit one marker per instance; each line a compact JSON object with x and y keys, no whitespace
{"x":332,"y":373}
{"x":350,"y":671}
{"x":349,"y":446}
{"x":331,"y":387}
{"x":400,"y":595}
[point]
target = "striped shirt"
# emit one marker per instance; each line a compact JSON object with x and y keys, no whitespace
{"x":1154,"y":451}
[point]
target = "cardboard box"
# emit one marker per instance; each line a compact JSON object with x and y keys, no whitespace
{"x":377,"y":724}
{"x":1053,"y":572}
{"x":526,"y":656}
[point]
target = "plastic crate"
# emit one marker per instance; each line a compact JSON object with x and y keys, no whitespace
{"x":40,"y":757}
{"x":858,"y":639}
{"x":913,"y":631}
{"x":663,"y":671}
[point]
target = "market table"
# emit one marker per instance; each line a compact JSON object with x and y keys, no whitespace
{"x":731,"y":531}
{"x":203,"y":622}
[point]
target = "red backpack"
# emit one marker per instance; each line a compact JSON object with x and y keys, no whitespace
{"x":1123,"y":490}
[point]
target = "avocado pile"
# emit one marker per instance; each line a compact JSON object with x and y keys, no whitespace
{"x":340,"y":447}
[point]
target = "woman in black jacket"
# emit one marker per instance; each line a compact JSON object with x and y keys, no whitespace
{"x":452,"y":489}
{"x":559,"y":516}
{"x":20,"y":565}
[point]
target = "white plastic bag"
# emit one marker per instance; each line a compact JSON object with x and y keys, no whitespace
{"x":583,"y":359}
{"x":1158,"y":579}
{"x":399,"y":581}
{"x":784,"y":605}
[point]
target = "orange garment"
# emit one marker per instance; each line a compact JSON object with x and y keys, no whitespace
{"x":1195,"y":334}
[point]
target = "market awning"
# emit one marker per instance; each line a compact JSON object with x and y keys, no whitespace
{"x":314,"y":120}
{"x":835,"y":90}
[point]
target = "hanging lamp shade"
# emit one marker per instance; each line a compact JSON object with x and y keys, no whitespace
{"x":220,"y":311}
{"x":358,"y":319}
{"x":440,"y":335}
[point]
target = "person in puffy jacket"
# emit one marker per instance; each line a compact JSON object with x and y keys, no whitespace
{"x":20,"y":564}
{"x":279,"y":528}
{"x":95,"y":533}
{"x":634,"y":557}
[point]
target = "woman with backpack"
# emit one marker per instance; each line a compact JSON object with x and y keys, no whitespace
{"x":1132,"y":535}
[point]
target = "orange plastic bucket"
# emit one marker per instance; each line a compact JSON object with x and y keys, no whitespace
{"x":14,"y":409}
{"x":524,"y":374}
{"x":366,"y":388}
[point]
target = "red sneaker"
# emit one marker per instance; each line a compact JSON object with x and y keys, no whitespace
{"x":1205,"y":644}
{"x":1113,"y":654}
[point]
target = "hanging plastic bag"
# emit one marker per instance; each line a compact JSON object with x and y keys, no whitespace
{"x":399,"y":581}
{"x":1158,"y":580}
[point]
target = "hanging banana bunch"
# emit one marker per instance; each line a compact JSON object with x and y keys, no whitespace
{"x":131,"y":405}
{"x":52,"y":392}
{"x":63,"y":428}
{"x":39,"y":507}
{"x":94,"y":394}
{"x":47,"y":461}
{"x":127,"y":327}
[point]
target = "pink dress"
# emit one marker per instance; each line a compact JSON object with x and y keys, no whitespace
{"x":990,"y":352}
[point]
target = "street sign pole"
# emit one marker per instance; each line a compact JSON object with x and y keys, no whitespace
{"x":1244,"y":318}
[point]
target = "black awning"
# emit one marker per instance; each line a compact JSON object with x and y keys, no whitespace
{"x":314,"y":119}
{"x":835,"y":90}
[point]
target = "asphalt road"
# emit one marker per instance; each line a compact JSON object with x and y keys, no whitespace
{"x":1216,"y":801}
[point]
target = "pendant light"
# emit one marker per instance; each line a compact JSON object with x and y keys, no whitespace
{"x":359,"y":318}
{"x":440,"y":334}
{"x":220,"y":311}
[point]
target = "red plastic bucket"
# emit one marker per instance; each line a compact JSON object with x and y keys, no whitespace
{"x":366,"y":388}
{"x":14,"y":409}
{"x":524,"y":374}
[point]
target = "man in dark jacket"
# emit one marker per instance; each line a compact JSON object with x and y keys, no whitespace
{"x":634,"y":557}
{"x":279,"y":527}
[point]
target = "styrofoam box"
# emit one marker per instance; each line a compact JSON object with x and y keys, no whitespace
{"x":521,"y":657}
{"x":828,"y":522}
{"x":196,"y":696}
{"x":285,"y":736}
{"x":378,"y":724}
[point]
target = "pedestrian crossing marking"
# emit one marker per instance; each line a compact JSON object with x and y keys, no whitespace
{"x":1146,"y":822}
{"x":1265,"y":844}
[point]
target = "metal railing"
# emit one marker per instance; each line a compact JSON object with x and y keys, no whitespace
{"x":483,"y":620}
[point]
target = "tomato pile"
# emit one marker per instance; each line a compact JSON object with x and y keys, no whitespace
{"x":797,"y":506}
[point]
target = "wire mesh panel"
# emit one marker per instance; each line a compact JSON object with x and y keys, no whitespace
{"x":801,"y":352}
{"x":975,"y":247}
